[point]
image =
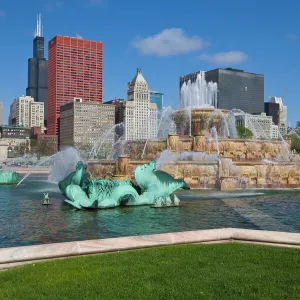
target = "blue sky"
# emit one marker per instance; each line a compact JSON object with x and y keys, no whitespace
{"x":165,"y":39}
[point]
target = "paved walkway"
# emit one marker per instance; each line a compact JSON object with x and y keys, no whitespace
{"x":15,"y":256}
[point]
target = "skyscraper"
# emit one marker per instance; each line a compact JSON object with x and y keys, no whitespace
{"x":140,"y":115}
{"x":82,"y":123}
{"x":282,"y":116}
{"x":282,"y":110}
{"x":272,"y":109}
{"x":75,"y":70}
{"x":38,"y":70}
{"x":189,"y":77}
{"x":238,"y":89}
{"x":24,"y":111}
{"x":158,"y":98}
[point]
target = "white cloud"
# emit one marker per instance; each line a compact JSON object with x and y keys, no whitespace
{"x":2,"y":13}
{"x":79,"y":36}
{"x":230,"y":57}
{"x":169,"y":42}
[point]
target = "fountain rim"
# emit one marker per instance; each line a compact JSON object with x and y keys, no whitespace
{"x":203,"y":109}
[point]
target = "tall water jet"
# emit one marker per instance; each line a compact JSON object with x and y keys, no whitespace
{"x":166,"y":124}
{"x":63,"y":163}
{"x":199,"y":94}
{"x":214,"y":136}
{"x":222,"y":124}
{"x":41,"y":162}
{"x":108,"y":137}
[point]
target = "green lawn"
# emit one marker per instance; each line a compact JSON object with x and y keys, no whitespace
{"x":215,"y":271}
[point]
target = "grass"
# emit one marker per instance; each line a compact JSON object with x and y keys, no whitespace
{"x":215,"y":271}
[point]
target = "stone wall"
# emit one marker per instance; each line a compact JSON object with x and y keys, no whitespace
{"x":3,"y":150}
{"x":143,"y":148}
{"x":101,"y":169}
{"x":223,"y":174}
{"x":236,"y":149}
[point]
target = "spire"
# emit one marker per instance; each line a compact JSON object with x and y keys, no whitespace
{"x":138,"y":78}
{"x":39,"y":28}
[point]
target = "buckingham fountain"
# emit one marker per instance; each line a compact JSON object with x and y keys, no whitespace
{"x":200,"y":144}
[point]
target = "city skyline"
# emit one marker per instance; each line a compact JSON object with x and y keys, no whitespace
{"x":177,"y":44}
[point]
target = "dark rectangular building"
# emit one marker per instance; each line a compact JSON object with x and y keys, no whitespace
{"x":238,"y":89}
{"x":188,"y":77}
{"x":272,"y":109}
{"x":15,"y":132}
{"x":119,"y":115}
{"x":38,"y":71}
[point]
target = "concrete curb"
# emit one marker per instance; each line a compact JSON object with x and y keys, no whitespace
{"x":13,"y":256}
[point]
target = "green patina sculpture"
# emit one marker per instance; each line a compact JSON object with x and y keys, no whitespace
{"x":46,"y":200}
{"x":158,"y":186}
{"x":8,"y":177}
{"x":154,"y":188}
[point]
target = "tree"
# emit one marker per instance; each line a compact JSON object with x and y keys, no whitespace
{"x":244,"y":133}
{"x":43,"y":146}
{"x":295,"y":142}
{"x":21,"y":149}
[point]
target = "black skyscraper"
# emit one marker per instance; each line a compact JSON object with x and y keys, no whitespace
{"x":273,"y":110}
{"x":38,"y":70}
{"x":238,"y":89}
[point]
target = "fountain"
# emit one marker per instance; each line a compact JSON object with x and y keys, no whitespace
{"x":199,"y":94}
{"x":214,"y":136}
{"x":211,"y":133}
{"x":108,"y":137}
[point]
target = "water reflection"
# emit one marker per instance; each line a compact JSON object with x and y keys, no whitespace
{"x":25,"y":221}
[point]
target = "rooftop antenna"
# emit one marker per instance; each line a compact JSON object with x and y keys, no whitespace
{"x":39,"y":28}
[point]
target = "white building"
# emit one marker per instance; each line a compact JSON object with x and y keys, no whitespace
{"x":275,"y":132}
{"x":25,"y":112}
{"x":88,"y":126}
{"x":140,"y":117}
{"x":282,"y":122}
{"x":260,"y":125}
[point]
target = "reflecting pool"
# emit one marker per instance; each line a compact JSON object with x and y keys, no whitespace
{"x":25,"y":221}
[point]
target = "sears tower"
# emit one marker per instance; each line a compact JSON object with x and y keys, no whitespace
{"x":38,"y":70}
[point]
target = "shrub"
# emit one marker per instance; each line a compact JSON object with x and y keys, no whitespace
{"x":244,"y":133}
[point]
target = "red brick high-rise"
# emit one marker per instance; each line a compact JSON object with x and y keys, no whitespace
{"x":75,"y":69}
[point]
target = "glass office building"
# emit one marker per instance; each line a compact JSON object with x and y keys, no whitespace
{"x":157,"y":98}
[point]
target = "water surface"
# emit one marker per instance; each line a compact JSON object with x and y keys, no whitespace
{"x":25,"y":221}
